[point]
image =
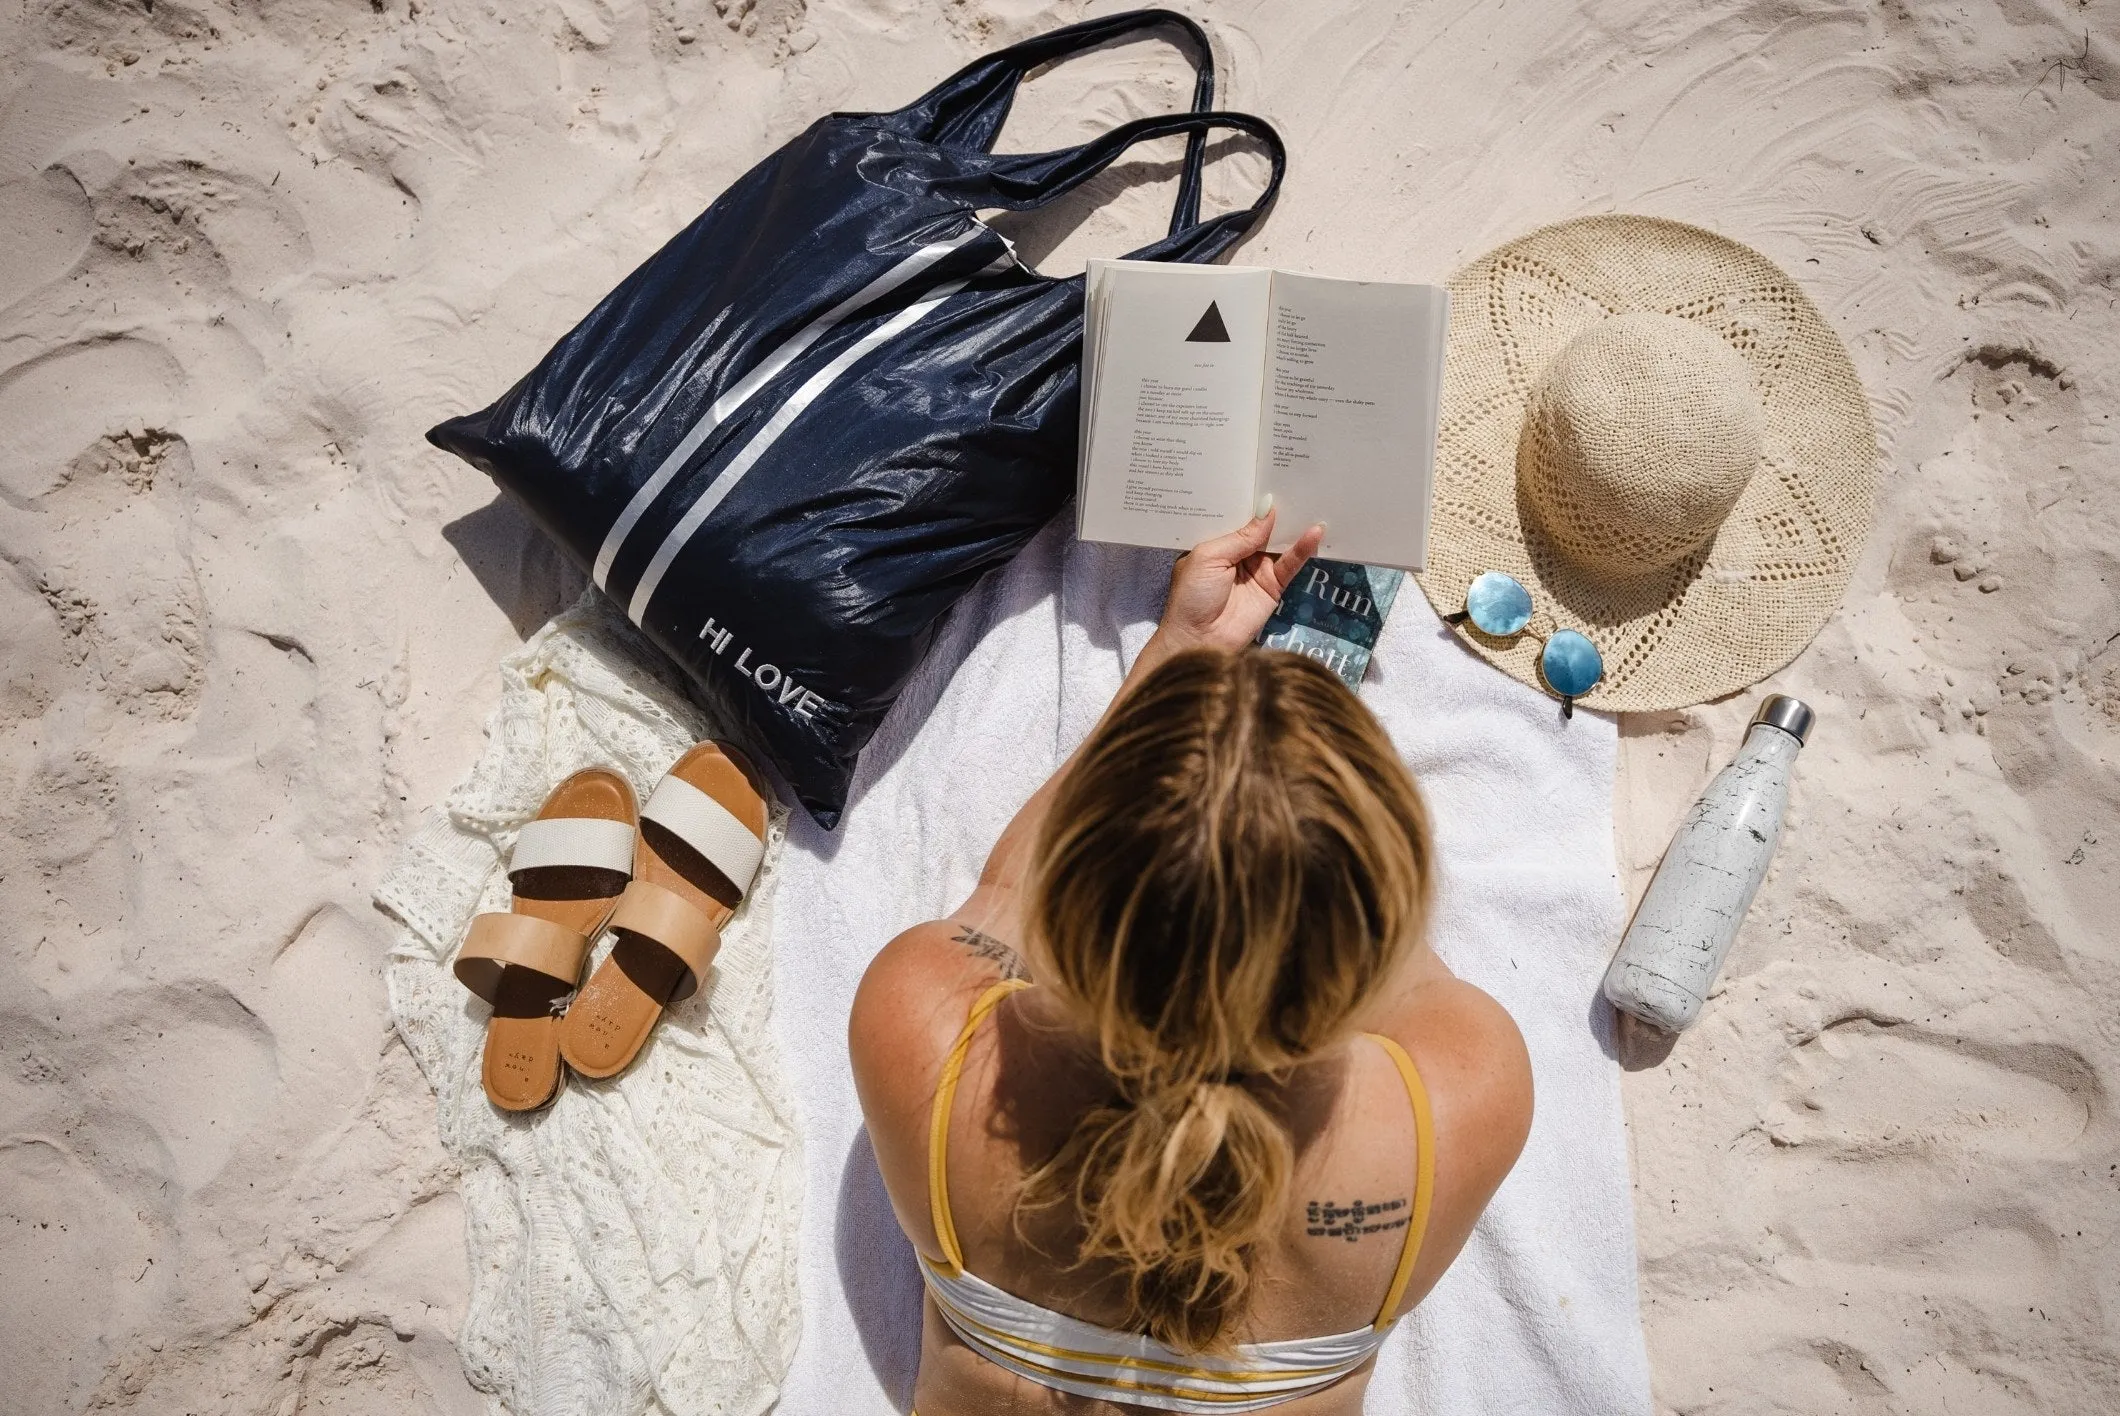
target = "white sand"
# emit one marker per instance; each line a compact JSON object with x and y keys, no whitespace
{"x":249,"y":252}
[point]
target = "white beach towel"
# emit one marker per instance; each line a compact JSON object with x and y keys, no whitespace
{"x":633,"y":1247}
{"x":1540,"y":1314}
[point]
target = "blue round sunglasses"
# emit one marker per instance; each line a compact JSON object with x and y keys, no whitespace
{"x":1498,"y":605}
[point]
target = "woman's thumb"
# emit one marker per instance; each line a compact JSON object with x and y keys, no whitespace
{"x":1244,"y":542}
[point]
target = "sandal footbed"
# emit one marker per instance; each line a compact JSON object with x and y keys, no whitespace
{"x":521,"y":1067}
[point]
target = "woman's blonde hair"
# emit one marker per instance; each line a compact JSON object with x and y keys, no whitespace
{"x":1231,"y":868}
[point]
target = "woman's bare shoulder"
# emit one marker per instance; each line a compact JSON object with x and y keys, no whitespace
{"x":913,"y":1000}
{"x":1476,"y":1070}
{"x":910,"y":1006}
{"x":1477,"y":1074}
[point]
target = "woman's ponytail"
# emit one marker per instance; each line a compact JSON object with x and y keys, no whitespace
{"x":1178,"y":1186}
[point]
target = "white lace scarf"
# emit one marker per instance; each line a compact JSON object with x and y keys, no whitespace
{"x":633,"y":1248}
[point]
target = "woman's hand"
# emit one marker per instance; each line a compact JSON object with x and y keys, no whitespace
{"x":1223,"y":591}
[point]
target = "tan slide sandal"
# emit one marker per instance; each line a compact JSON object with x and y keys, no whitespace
{"x":702,"y":835}
{"x":569,"y":869}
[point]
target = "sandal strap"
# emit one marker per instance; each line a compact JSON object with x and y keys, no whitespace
{"x":496,"y":941}
{"x":592,"y":841}
{"x":708,"y":827}
{"x":669,"y":919}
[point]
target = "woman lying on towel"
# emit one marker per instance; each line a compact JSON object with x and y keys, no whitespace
{"x":1179,"y":1110}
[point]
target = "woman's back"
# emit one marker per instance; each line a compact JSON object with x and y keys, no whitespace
{"x":1173,"y":1172}
{"x":1326,"y":1265}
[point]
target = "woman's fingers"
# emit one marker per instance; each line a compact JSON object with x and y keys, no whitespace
{"x":1289,"y":564}
{"x":1224,"y":590}
{"x":1239,"y":545}
{"x":1275,"y":573}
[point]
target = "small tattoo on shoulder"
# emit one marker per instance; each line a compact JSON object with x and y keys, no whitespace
{"x":987,"y":947}
{"x":1328,"y":1220}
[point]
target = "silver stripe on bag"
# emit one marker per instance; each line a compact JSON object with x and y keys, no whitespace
{"x":762,"y":440}
{"x":736,"y":397}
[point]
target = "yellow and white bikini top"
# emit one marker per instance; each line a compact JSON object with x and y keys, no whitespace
{"x":1084,"y":1359}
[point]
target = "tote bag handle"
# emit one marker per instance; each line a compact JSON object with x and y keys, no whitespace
{"x":968,"y":109}
{"x":1022,"y":181}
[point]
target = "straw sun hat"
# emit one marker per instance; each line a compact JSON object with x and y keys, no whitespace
{"x":1657,"y":434}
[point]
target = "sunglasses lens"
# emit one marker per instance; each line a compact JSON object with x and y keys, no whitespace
{"x":1498,"y":605}
{"x":1570,"y":664}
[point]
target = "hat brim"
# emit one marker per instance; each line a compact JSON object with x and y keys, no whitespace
{"x":1746,"y":603}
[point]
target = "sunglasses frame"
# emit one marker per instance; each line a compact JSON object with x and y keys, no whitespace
{"x":1464,"y":616}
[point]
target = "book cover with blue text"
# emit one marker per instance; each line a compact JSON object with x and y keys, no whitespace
{"x":1334,"y":613}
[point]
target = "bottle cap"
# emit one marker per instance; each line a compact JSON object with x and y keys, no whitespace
{"x":1790,"y":715}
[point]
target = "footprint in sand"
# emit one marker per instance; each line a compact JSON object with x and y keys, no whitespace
{"x":96,"y":519}
{"x":123,"y":35}
{"x":178,"y":1073}
{"x":366,"y":1368}
{"x":60,"y":1219}
{"x":65,"y":812}
{"x":1853,"y":1127}
{"x":1846,"y":1095}
{"x":202,"y":229}
{"x":56,"y":406}
{"x":1856,"y":1300}
{"x":320,"y":1000}
{"x":45,"y":225}
{"x":1871,"y":1113}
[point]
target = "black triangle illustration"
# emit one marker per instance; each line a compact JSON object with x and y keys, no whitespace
{"x":1210,"y":329}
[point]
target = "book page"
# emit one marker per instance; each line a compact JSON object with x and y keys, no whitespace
{"x":1173,"y":369}
{"x":1092,"y":342}
{"x":1347,"y":426}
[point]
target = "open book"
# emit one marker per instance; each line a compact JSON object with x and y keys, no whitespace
{"x":1207,"y":389}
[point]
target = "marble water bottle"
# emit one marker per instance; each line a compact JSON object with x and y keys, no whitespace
{"x":1710,"y":872}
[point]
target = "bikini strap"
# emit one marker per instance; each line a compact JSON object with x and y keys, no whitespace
{"x":1423,"y":1178}
{"x":939,"y":1123}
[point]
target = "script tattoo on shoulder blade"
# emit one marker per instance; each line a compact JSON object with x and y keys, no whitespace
{"x":1328,"y":1220}
{"x":987,"y":947}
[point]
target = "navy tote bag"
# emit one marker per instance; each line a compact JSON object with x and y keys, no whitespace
{"x":801,"y":430}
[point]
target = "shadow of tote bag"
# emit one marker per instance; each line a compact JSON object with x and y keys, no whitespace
{"x":801,"y":430}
